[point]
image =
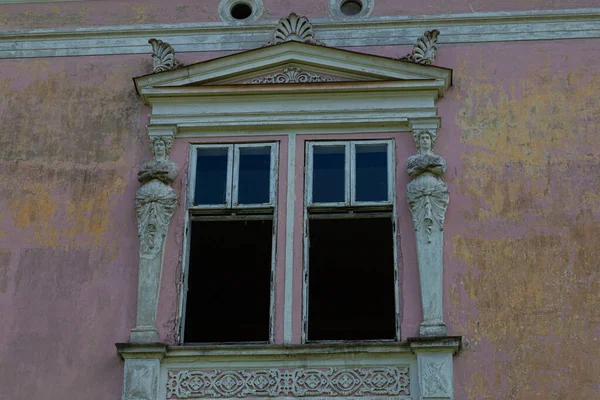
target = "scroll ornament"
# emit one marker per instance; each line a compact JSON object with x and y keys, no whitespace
{"x":427,"y":194}
{"x":156,"y":200}
{"x":163,"y":56}
{"x":291,"y":75}
{"x":425,"y":49}
{"x":294,"y":28}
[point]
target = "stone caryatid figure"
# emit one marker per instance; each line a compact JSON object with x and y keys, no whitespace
{"x":155,"y":203}
{"x":428,"y":198}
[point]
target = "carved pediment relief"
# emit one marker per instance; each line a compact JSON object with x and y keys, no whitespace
{"x":292,"y":60}
{"x":295,"y":85}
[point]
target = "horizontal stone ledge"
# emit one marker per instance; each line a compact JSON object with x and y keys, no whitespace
{"x":380,"y":31}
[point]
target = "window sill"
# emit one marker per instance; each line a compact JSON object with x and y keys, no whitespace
{"x":380,"y":370}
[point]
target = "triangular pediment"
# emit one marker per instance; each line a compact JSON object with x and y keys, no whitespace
{"x":296,"y":62}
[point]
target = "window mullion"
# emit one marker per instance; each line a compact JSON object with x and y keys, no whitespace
{"x":232,"y":175}
{"x":349,"y":153}
{"x":351,"y":172}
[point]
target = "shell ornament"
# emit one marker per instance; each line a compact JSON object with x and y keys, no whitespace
{"x":294,"y":28}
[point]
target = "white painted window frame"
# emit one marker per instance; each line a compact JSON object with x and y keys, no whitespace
{"x":232,"y":183}
{"x":265,"y":211}
{"x":350,"y":175}
{"x":346,"y":208}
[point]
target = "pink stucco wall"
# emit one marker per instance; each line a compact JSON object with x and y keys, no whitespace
{"x":520,"y":134}
{"x":112,"y":12}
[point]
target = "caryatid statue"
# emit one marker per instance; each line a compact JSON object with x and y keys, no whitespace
{"x":428,"y":198}
{"x":155,"y":203}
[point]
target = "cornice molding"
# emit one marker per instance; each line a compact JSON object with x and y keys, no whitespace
{"x":381,"y":31}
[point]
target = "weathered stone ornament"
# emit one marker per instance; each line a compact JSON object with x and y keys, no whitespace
{"x":163,"y":56}
{"x":425,"y":49}
{"x":294,"y":28}
{"x":155,"y":203}
{"x":428,"y":198}
{"x":291,"y":75}
{"x":289,"y":383}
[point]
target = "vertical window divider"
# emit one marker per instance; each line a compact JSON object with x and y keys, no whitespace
{"x":230,"y":176}
{"x":235,"y":182}
{"x":351,"y":172}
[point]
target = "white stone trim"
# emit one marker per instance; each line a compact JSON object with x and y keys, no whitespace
{"x":289,"y":241}
{"x":380,"y":31}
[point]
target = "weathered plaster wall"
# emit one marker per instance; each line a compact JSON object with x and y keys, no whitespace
{"x":71,"y":140}
{"x":520,"y":133}
{"x":112,"y":12}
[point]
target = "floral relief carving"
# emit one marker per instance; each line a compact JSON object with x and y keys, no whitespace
{"x":330,"y":382}
{"x":425,"y":49}
{"x":294,"y":28}
{"x":163,"y":56}
{"x":291,"y":75}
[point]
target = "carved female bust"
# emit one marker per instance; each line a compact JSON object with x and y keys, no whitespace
{"x":155,"y":201}
{"x":427,"y":194}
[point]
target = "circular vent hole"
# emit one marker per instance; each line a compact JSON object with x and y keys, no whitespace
{"x":241,"y":11}
{"x":351,"y":7}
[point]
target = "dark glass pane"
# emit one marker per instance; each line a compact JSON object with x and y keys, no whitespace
{"x":254,"y":175}
{"x":371,"y":172}
{"x":229,"y":281}
{"x":211,"y":176}
{"x":351,"y":279}
{"x":328,"y":174}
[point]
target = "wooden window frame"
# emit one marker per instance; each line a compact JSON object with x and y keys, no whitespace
{"x":349,"y":209}
{"x":230,"y":212}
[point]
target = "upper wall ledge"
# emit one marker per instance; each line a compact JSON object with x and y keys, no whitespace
{"x":381,"y":31}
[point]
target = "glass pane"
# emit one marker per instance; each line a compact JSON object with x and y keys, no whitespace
{"x":254,"y":175}
{"x":372,"y":172}
{"x":211,"y":176}
{"x":328,"y":174}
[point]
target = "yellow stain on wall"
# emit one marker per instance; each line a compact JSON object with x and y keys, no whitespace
{"x":526,"y":297}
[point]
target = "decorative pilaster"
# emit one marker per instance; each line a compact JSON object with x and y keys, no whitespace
{"x":155,"y":203}
{"x":428,"y":198}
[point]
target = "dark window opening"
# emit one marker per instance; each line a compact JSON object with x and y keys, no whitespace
{"x":351,"y":7}
{"x":229,"y":281}
{"x":241,"y":11}
{"x":351,"y":279}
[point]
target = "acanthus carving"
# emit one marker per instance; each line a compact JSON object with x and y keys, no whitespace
{"x":291,"y":75}
{"x":425,"y":49}
{"x":300,"y":382}
{"x":294,"y":28}
{"x":163,"y":56}
{"x":427,"y":194}
{"x":155,"y":201}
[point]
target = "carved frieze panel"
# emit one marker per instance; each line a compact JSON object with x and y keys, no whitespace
{"x":298,"y":382}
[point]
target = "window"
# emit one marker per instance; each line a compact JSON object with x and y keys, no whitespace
{"x":231,"y":252}
{"x":350,"y":269}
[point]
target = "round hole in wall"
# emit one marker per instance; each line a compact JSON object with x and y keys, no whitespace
{"x":351,"y":7}
{"x":241,"y":11}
